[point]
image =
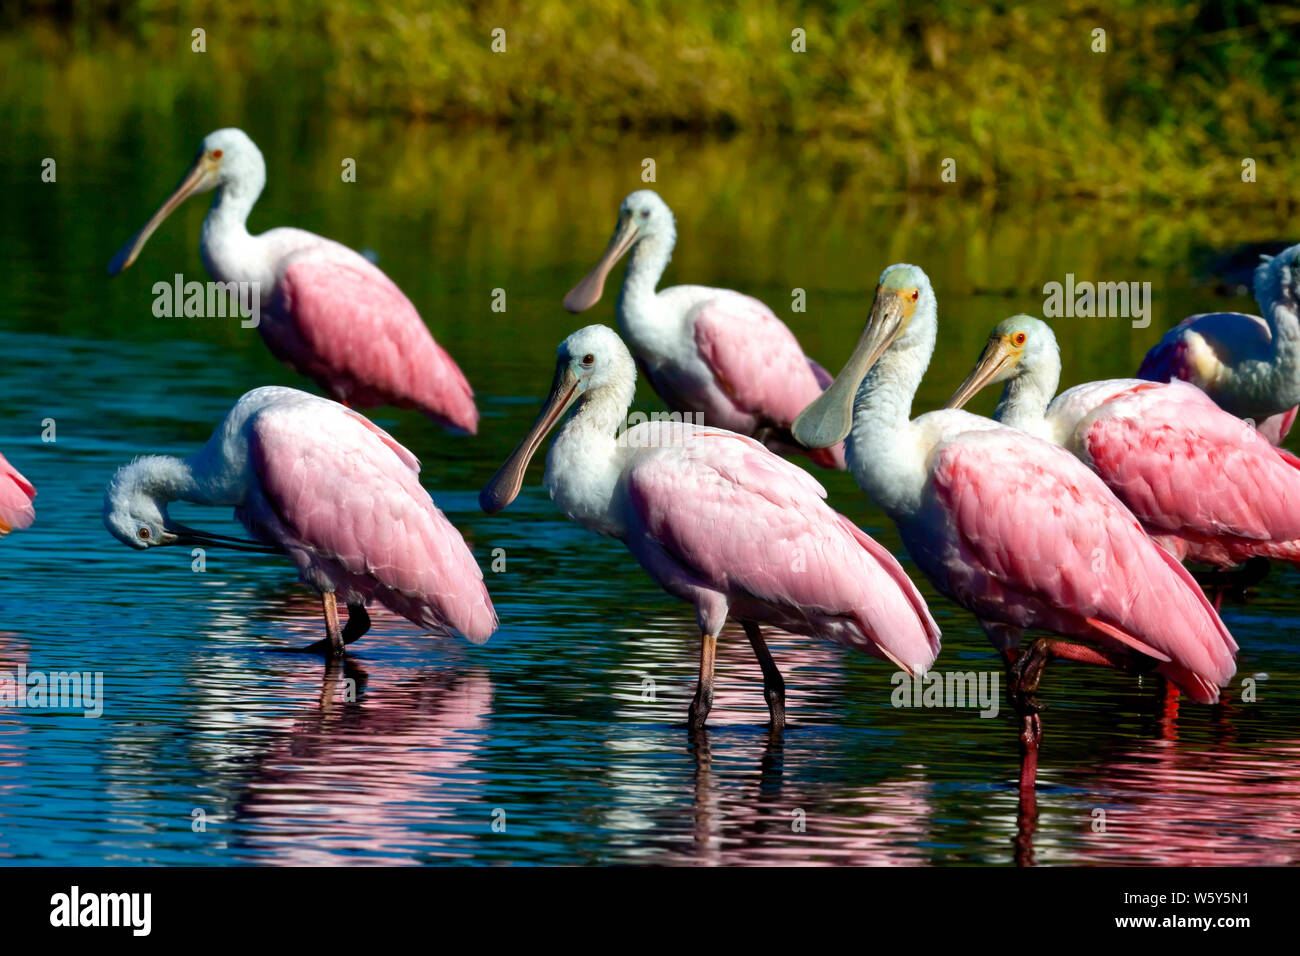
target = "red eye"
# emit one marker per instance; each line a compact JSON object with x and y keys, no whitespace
{"x":916,"y":294}
{"x":216,"y":154}
{"x":1018,"y":338}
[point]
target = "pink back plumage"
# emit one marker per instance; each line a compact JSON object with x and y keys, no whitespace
{"x":16,"y":495}
{"x":340,"y":320}
{"x":350,"y":507}
{"x":748,"y":524}
{"x":759,"y":365}
{"x":1186,"y":467}
{"x":1041,"y":542}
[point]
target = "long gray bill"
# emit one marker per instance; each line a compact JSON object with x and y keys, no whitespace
{"x":191,"y":184}
{"x":588,"y":292}
{"x":830,"y":417}
{"x":503,"y":487}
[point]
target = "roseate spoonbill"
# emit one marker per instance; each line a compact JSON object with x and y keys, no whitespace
{"x":16,"y":495}
{"x":714,"y":353}
{"x":1249,"y":364}
{"x":340,"y":497}
{"x":1201,"y":481}
{"x":326,"y":311}
{"x":717,"y":520}
{"x":1014,"y":529}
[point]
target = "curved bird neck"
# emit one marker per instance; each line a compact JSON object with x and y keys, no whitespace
{"x":645,"y":267}
{"x":585,"y":460}
{"x":1284,"y":323}
{"x":163,"y":478}
{"x":225,"y":238}
{"x":884,"y":446}
{"x":1279,"y":306}
{"x":1027,"y":395}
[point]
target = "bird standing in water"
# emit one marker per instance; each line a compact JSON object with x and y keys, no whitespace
{"x":1014,"y":529}
{"x":717,"y":520}
{"x":714,"y":353}
{"x":325,"y":310}
{"x":335,"y":493}
{"x":1205,"y":484}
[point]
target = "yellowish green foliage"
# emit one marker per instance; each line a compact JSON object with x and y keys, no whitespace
{"x":1015,"y":94}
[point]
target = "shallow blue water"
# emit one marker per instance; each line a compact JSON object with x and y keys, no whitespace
{"x":562,"y":740}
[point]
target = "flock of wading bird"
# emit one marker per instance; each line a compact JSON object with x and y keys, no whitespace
{"x":1069,"y":515}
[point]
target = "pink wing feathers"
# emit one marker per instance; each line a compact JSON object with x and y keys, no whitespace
{"x":746,"y":522}
{"x":16,"y":494}
{"x":1186,"y":467}
{"x":1041,"y":534}
{"x":759,"y":364}
{"x":355,"y":508}
{"x":339,"y":320}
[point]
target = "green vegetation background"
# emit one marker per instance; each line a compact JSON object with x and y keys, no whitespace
{"x":1014,"y":93}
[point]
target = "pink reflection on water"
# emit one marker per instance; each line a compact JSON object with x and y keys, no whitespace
{"x":368,"y":780}
{"x":1198,"y":807}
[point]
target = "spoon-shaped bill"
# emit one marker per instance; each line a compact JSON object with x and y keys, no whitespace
{"x":830,"y":417}
{"x":196,"y":180}
{"x":588,"y":292}
{"x":503,"y":487}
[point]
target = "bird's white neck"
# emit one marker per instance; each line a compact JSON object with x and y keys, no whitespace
{"x":651,"y":331}
{"x":883,"y":446}
{"x":645,"y":267}
{"x":225,"y":241}
{"x":585,"y":460}
{"x":1027,"y":395}
{"x":163,"y":478}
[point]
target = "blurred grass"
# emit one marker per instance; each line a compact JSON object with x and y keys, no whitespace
{"x":884,"y":94}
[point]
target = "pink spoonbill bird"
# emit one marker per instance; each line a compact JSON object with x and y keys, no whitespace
{"x":1249,"y":364}
{"x":717,"y":520}
{"x":1202,"y":482}
{"x":340,"y":497}
{"x":325,"y":310}
{"x":1012,"y":528}
{"x":16,"y":495}
{"x":714,"y":353}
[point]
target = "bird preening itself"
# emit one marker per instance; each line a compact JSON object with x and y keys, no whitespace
{"x":1016,"y":530}
{"x":714,"y":353}
{"x":330,"y":490}
{"x":325,"y":310}
{"x":16,"y":496}
{"x":1249,"y":364}
{"x":717,"y":520}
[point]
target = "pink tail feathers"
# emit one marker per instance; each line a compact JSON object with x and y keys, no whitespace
{"x":444,"y":394}
{"x":16,"y":495}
